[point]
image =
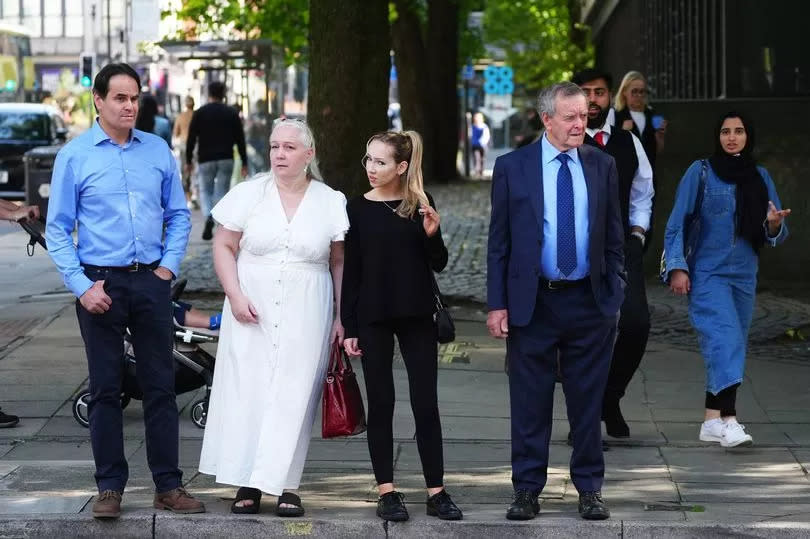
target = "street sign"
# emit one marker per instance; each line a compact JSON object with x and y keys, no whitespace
{"x":498,"y":80}
{"x":498,"y":108}
{"x":498,"y":87}
{"x":467,"y":72}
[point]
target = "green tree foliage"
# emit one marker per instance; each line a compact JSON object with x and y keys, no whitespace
{"x":538,"y":38}
{"x":286,"y":22}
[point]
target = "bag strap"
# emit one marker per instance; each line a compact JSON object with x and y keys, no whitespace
{"x":704,"y":171}
{"x":336,"y":362}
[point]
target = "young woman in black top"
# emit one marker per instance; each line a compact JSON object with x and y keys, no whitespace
{"x":393,"y":245}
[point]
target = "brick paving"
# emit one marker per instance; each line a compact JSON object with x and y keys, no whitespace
{"x":464,"y":208}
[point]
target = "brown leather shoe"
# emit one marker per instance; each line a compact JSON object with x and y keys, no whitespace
{"x":107,"y":505}
{"x":178,"y":501}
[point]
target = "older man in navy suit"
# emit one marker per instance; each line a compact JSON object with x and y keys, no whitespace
{"x":555,"y":284}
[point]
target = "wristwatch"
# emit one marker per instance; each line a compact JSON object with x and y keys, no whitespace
{"x":640,"y":236}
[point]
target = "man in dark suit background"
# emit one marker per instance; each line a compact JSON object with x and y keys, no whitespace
{"x":555,"y":284}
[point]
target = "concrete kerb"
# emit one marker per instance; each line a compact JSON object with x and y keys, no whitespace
{"x":213,"y":525}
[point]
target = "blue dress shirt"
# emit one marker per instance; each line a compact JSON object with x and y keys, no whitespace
{"x":548,"y":253}
{"x":119,"y":198}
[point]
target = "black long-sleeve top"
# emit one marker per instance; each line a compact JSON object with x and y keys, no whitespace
{"x":218,"y":128}
{"x":387,"y":265}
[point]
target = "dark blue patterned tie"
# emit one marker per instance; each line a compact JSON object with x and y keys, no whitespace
{"x":566,"y":225}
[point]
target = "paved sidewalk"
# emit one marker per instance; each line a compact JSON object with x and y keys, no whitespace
{"x":662,"y":482}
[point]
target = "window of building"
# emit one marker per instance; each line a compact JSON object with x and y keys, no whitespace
{"x":11,"y":11}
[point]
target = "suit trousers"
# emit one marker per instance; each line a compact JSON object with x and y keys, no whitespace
{"x":568,"y":321}
{"x":417,"y":342}
{"x":634,"y":325}
{"x":141,"y":302}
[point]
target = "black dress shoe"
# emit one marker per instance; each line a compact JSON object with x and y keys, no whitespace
{"x":525,"y":506}
{"x":440,"y":505}
{"x":209,"y":227}
{"x":615,"y":425}
{"x":391,"y":506}
{"x":591,"y":506}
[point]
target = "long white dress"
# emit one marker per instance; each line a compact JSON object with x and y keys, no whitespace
{"x":268,"y":376}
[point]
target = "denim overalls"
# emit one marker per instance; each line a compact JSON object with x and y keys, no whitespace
{"x":723,"y":273}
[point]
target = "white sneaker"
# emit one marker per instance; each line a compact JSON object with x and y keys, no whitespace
{"x":734,"y":436}
{"x":712,"y":430}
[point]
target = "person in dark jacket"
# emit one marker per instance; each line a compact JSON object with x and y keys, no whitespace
{"x":393,"y":246}
{"x":218,"y":128}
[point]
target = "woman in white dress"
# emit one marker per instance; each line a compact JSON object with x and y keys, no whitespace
{"x":278,"y":253}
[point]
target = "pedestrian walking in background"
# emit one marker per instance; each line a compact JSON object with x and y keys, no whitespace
{"x":393,"y":246}
{"x":634,"y":113}
{"x":479,"y":140}
{"x":148,"y":119}
{"x":217,"y":127}
{"x":555,"y":283}
{"x":180,"y":138}
{"x":121,"y":188}
{"x":636,"y":201}
{"x":10,"y":211}
{"x":739,"y":214}
{"x":278,"y":253}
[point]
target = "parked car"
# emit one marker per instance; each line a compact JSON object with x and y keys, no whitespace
{"x":24,"y":126}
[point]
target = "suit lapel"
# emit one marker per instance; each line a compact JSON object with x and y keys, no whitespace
{"x":589,"y":170}
{"x":533,"y":172}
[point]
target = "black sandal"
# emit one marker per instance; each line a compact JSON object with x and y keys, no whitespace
{"x":290,"y":499}
{"x":243,"y":494}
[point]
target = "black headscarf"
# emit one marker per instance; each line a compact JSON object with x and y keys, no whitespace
{"x":741,"y":170}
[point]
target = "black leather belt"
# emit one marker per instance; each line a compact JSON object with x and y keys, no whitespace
{"x":132,"y":268}
{"x":545,"y":284}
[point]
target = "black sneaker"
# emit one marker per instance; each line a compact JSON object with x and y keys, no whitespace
{"x":7,"y":420}
{"x":440,"y":505}
{"x":391,"y":506}
{"x":592,"y":507}
{"x":209,"y":228}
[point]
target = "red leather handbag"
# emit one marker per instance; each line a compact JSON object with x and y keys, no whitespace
{"x":343,"y":411}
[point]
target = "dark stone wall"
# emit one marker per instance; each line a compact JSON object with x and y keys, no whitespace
{"x":783,"y":147}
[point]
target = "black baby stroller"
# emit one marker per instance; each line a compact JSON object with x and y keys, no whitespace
{"x":194,"y":367}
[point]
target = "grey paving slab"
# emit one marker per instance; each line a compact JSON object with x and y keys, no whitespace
{"x":6,"y":468}
{"x":26,"y":409}
{"x":801,"y":415}
{"x":33,"y":392}
{"x":41,"y":505}
{"x":771,"y":493}
{"x":630,"y":463}
{"x":640,"y":491}
{"x":24,"y":429}
{"x":749,"y":513}
{"x":61,"y":450}
{"x":55,"y":478}
{"x":799,"y":434}
{"x":750,"y":467}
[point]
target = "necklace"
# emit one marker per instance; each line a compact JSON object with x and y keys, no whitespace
{"x":394,"y":209}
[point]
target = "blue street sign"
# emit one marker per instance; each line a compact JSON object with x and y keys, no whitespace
{"x":467,"y":72}
{"x":498,"y":80}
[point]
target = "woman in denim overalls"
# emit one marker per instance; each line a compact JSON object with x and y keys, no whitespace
{"x":739,"y":214}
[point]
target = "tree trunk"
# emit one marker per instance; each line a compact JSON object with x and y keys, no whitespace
{"x":348,"y":85}
{"x":442,"y":62}
{"x":409,"y":57}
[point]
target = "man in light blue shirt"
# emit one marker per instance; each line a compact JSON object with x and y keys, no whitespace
{"x":121,"y":189}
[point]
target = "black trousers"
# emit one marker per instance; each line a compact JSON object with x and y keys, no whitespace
{"x":417,"y":342}
{"x":140,"y":302}
{"x":634,"y":326}
{"x":725,"y":401}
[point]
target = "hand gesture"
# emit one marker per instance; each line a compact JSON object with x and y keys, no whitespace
{"x":24,"y":213}
{"x":337,"y":332}
{"x":430,"y":219}
{"x":775,"y":218}
{"x":498,"y":323}
{"x":243,"y":310}
{"x":95,"y":299}
{"x":350,"y":345}
{"x":679,"y":282}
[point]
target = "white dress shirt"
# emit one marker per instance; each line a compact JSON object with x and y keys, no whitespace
{"x":641,"y":190}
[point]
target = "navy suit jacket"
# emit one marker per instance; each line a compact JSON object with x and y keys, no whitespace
{"x":516,"y":232}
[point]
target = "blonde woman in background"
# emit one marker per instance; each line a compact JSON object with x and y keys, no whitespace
{"x":633,"y":113}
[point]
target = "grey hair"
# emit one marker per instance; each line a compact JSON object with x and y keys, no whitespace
{"x":547,"y":99}
{"x":307,"y":139}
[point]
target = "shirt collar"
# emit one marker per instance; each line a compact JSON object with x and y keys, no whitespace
{"x":606,"y":128}
{"x":550,"y":153}
{"x":99,"y":135}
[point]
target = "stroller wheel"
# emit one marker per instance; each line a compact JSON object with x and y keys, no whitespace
{"x":80,"y":407}
{"x":199,"y":413}
{"x":80,"y":412}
